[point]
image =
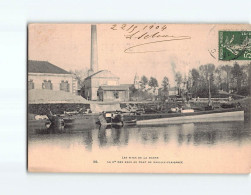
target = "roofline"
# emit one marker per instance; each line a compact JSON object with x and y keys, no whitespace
{"x":51,"y":74}
{"x":113,"y":87}
{"x":105,"y":77}
{"x":100,"y":77}
{"x":67,"y":72}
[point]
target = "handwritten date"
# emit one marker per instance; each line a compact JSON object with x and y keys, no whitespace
{"x":154,"y":33}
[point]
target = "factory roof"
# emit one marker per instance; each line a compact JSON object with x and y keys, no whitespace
{"x":44,"y":67}
{"x":114,"y":88}
{"x":103,"y":74}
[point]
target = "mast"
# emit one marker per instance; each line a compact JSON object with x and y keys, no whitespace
{"x":209,"y":92}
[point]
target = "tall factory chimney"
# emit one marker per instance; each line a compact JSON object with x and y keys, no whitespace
{"x":94,"y":51}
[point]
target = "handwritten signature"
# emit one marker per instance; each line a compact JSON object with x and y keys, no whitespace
{"x":155,"y":34}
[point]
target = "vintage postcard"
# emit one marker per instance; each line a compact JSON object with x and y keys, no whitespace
{"x":139,"y":98}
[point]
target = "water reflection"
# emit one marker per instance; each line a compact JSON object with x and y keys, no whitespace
{"x":189,"y":134}
{"x":88,"y":139}
{"x":102,"y":136}
{"x":112,"y":136}
{"x":149,"y":136}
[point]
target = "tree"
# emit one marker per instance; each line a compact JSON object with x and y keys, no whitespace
{"x":206,"y":81}
{"x":195,"y":81}
{"x":133,"y":92}
{"x":153,"y":83}
{"x":237,"y":76}
{"x":207,"y":70}
{"x":132,"y":89}
{"x":212,"y":89}
{"x":219,"y":77}
{"x":143,"y":82}
{"x":80,"y":75}
{"x":195,"y":77}
{"x":249,"y":79}
{"x":165,"y":85}
{"x":227,"y":69}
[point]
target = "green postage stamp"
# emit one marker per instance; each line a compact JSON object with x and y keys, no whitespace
{"x":234,"y":45}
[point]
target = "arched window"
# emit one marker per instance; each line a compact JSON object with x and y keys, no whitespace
{"x":64,"y":86}
{"x":30,"y":84}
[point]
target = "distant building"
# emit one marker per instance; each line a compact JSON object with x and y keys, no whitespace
{"x":93,"y":82}
{"x":103,"y":86}
{"x":172,"y":92}
{"x":110,"y":93}
{"x":44,"y":75}
{"x":136,"y":81}
{"x":152,"y":91}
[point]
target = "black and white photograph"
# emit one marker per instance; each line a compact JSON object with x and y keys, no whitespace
{"x":96,"y":92}
{"x":125,"y":97}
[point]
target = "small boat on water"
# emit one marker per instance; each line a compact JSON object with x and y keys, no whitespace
{"x":110,"y":118}
{"x":115,"y":118}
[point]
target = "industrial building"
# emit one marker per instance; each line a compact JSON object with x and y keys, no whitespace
{"x":102,"y":85}
{"x":43,"y":75}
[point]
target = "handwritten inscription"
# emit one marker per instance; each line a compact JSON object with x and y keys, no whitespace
{"x":153,"y":34}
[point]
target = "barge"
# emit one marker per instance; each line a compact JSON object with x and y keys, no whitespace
{"x":119,"y":117}
{"x":220,"y":115}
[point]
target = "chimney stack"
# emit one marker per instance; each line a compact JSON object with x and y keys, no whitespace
{"x":94,"y":51}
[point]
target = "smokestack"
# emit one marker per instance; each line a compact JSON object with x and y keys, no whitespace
{"x":94,"y":49}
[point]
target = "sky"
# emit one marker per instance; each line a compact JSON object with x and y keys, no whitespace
{"x":156,"y":50}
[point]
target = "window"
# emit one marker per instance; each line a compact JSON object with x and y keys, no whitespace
{"x":30,"y":84}
{"x":116,"y":94}
{"x":64,"y":86}
{"x":47,"y":85}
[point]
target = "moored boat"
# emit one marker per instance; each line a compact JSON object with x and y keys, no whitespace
{"x":219,"y":115}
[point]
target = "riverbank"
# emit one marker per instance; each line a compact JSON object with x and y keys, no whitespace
{"x":246,"y":104}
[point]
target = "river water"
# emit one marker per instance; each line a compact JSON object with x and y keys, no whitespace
{"x":184,"y":148}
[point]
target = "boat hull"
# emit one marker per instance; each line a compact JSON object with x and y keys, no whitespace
{"x":237,"y":115}
{"x":86,"y":121}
